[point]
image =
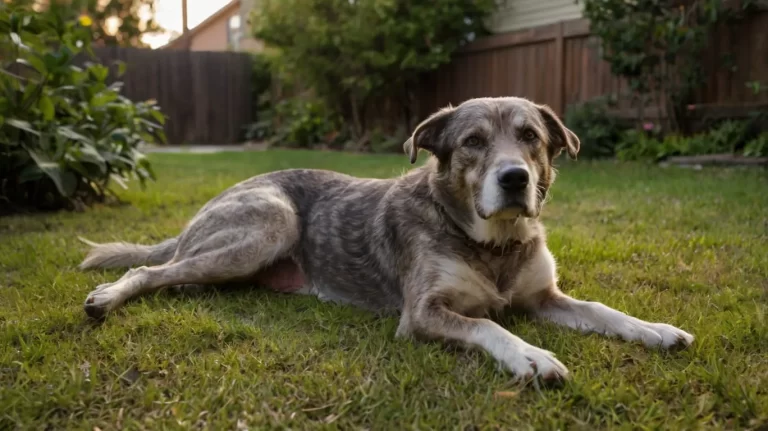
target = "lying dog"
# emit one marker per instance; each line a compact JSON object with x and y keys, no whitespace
{"x":443,"y":245}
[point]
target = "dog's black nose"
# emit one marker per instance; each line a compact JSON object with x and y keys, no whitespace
{"x":513,"y":178}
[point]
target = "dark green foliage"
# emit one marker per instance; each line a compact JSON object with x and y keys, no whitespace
{"x":729,"y":137}
{"x":353,"y":53}
{"x":757,"y":147}
{"x":64,"y":131}
{"x":302,"y":123}
{"x":598,"y":130}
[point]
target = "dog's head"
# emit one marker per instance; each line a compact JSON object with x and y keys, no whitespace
{"x":495,"y":154}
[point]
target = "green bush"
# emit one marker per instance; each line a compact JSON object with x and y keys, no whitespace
{"x":65,"y":133}
{"x":381,"y":142}
{"x":598,"y":131}
{"x":729,"y":137}
{"x":297,"y":122}
{"x":757,"y":147}
{"x":353,"y":53}
{"x":656,"y":47}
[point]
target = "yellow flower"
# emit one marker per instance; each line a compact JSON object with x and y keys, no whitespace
{"x":85,"y":20}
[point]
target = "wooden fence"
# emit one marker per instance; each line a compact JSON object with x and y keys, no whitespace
{"x":205,"y":95}
{"x":560,"y":65}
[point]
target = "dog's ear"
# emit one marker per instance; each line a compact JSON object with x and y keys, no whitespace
{"x":428,"y":135}
{"x":561,"y":138}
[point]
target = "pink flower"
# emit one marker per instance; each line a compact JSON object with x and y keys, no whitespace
{"x":691,"y":107}
{"x":647,"y":127}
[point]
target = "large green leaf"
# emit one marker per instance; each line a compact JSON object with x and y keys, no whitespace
{"x":45,"y":104}
{"x":98,"y":72}
{"x":102,"y":99}
{"x":35,"y":62}
{"x":30,"y":173}
{"x":158,"y":116}
{"x":65,"y":181}
{"x":71,"y":134}
{"x":87,"y":153}
{"x":23,"y":125}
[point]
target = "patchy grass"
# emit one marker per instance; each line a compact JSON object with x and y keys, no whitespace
{"x":684,"y":247}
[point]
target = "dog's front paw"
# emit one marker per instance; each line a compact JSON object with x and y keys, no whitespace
{"x":667,"y":336}
{"x":529,"y":362}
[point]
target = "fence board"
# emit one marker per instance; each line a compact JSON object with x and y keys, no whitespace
{"x":560,"y":65}
{"x":206,"y":95}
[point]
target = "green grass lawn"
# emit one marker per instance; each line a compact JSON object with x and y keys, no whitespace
{"x":684,"y":247}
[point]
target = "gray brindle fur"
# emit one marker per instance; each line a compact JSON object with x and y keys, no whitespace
{"x":444,"y":244}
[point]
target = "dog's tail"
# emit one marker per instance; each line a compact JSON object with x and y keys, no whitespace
{"x":123,"y":255}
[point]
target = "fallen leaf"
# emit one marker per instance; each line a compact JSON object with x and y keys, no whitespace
{"x":507,"y":394}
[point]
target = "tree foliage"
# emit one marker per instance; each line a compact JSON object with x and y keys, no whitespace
{"x":114,"y":22}
{"x":352,"y":52}
{"x":656,"y":45}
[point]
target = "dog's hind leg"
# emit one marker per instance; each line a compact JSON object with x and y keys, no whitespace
{"x":229,"y":241}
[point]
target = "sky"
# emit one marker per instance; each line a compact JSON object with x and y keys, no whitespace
{"x":168,"y":16}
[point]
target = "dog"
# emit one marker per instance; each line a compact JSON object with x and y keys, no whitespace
{"x":444,"y":245}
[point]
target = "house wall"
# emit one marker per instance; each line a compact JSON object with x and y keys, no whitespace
{"x":520,"y":14}
{"x":214,"y":36}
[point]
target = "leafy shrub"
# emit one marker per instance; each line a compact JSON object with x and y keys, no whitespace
{"x":64,"y":132}
{"x":297,"y":122}
{"x":657,"y":47}
{"x":638,"y":145}
{"x":352,"y":53}
{"x":598,"y":131}
{"x":728,"y":137}
{"x":757,"y":147}
{"x":381,"y":142}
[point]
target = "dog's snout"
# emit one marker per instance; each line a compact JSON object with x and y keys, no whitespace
{"x":513,"y":178}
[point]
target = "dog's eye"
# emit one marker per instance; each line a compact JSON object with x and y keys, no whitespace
{"x":529,"y":135}
{"x":473,"y":141}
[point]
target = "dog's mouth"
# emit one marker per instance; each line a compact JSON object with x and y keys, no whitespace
{"x":515,"y":209}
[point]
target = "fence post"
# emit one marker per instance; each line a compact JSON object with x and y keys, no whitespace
{"x":560,"y":70}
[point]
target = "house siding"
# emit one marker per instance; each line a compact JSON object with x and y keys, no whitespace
{"x":213,"y":37}
{"x":521,"y":14}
